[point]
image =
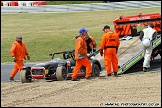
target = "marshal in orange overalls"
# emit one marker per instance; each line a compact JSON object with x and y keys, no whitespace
{"x":81,"y":57}
{"x":110,"y":43}
{"x":19,"y":51}
{"x":91,"y":44}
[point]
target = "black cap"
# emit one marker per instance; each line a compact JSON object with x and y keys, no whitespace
{"x":106,"y":27}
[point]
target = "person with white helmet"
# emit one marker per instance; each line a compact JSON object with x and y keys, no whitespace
{"x":147,"y":36}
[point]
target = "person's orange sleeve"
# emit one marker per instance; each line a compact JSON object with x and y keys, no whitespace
{"x":12,"y":50}
{"x":93,"y":42}
{"x":81,"y":46}
{"x":102,"y":42}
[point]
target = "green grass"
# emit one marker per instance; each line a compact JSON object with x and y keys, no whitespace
{"x":45,"y":33}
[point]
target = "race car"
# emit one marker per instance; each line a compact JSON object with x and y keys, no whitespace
{"x":59,"y":68}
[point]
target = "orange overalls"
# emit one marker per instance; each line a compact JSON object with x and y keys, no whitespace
{"x":91,"y":44}
{"x":81,"y":57}
{"x":110,"y":42}
{"x":19,"y":51}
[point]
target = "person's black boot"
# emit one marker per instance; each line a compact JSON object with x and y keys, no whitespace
{"x":75,"y":79}
{"x":108,"y":74}
{"x":115,"y":74}
{"x":11,"y":79}
{"x":89,"y":77}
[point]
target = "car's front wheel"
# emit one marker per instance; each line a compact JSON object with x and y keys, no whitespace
{"x":61,"y":73}
{"x":95,"y":71}
{"x":25,"y":76}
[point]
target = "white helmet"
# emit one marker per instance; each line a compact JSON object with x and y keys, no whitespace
{"x":146,"y":42}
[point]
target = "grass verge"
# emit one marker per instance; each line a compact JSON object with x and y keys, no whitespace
{"x":45,"y":33}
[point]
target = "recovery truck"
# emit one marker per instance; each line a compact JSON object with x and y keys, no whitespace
{"x":132,"y":25}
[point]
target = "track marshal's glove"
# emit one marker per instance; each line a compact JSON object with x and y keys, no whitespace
{"x":28,"y":57}
{"x":14,"y":59}
{"x":94,"y":54}
{"x":101,"y":52}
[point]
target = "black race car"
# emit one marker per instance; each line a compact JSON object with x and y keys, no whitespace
{"x":59,"y":68}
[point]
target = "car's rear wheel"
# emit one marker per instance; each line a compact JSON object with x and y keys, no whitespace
{"x":24,"y":76}
{"x":61,"y":73}
{"x":95,"y":71}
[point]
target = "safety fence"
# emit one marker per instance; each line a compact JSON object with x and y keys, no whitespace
{"x":23,"y":3}
{"x":81,"y":7}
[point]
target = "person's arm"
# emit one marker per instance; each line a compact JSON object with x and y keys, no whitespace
{"x":26,"y":52}
{"x":102,"y":44}
{"x":12,"y":50}
{"x":118,"y":42}
{"x":141,"y":35}
{"x":80,"y":46}
{"x":90,"y":42}
{"x":93,"y":43}
{"x":154,"y":36}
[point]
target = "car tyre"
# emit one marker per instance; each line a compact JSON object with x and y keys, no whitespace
{"x":24,"y":76}
{"x":95,"y":71}
{"x":61,"y":73}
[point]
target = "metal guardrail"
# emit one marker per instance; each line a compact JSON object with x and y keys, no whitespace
{"x":81,"y":7}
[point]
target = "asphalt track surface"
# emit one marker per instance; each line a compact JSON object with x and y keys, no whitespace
{"x":7,"y":68}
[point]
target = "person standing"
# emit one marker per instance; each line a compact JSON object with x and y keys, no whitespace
{"x":147,"y":36}
{"x":18,"y":52}
{"x":81,"y":56}
{"x":91,"y":43}
{"x":110,"y":43}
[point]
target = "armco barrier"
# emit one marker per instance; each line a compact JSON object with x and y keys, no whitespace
{"x":81,"y":7}
{"x":6,"y":3}
{"x":23,"y":3}
{"x":30,"y":3}
{"x":14,"y":3}
{"x":39,"y":3}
